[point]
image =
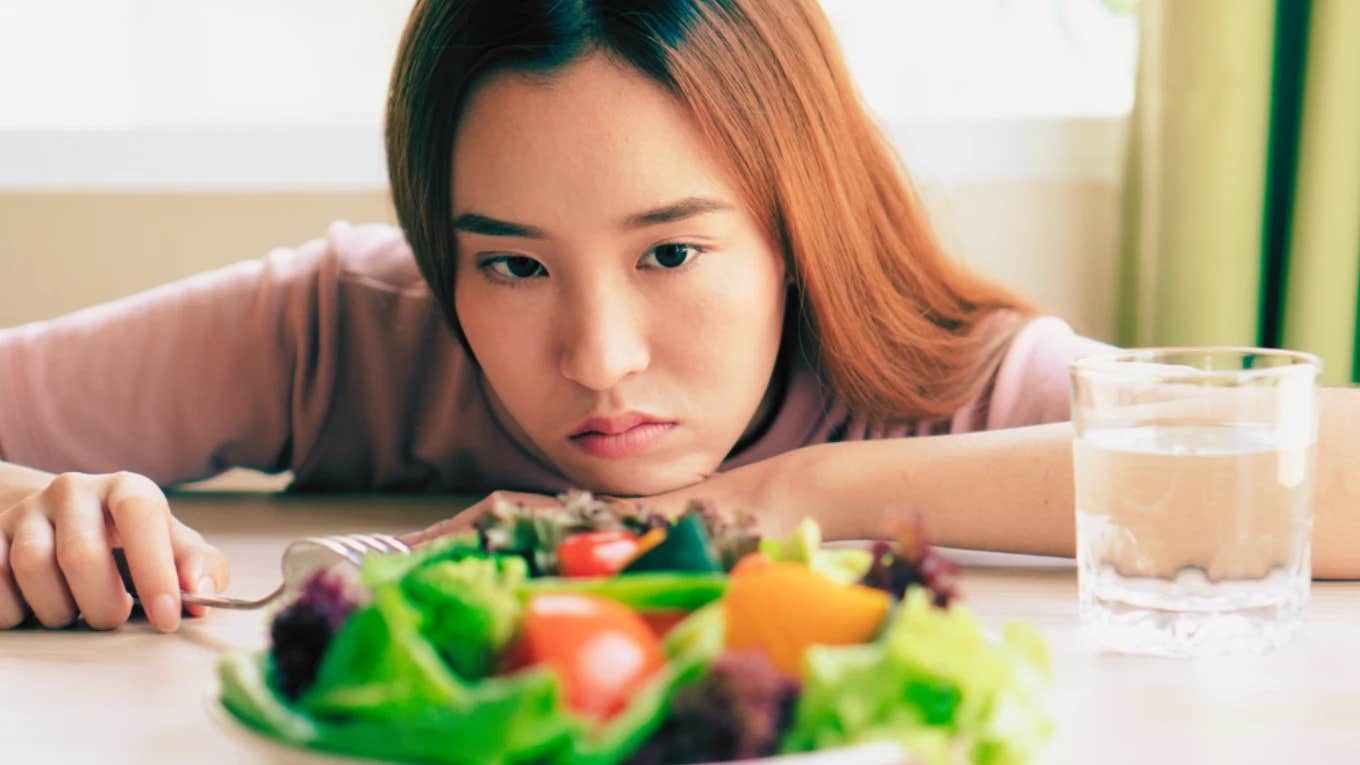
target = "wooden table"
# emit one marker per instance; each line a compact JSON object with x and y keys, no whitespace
{"x":136,"y":696}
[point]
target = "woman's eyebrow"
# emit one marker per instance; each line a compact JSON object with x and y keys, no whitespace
{"x":685,"y":208}
{"x":477,"y":223}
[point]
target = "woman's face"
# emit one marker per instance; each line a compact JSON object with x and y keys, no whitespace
{"x":625,"y":309}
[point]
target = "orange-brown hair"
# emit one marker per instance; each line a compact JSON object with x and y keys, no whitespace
{"x":899,"y":330}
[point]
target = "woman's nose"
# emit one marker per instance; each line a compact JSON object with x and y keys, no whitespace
{"x":602,"y":340}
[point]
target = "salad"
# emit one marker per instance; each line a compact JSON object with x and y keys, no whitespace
{"x":601,"y":633}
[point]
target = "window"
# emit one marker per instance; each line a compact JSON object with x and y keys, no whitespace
{"x":90,"y":84}
{"x":949,"y":59}
{"x":127,"y":64}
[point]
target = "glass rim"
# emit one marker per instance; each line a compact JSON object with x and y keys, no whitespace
{"x":1102,"y":364}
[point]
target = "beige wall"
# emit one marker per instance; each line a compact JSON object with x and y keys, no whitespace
{"x":59,"y":252}
{"x":1052,"y":240}
{"x":1056,"y":242}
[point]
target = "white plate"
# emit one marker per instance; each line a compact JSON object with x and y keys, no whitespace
{"x":285,"y":753}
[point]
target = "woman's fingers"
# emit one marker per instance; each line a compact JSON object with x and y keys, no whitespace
{"x":454,"y":525}
{"x":57,"y":561}
{"x":142,"y":517}
{"x":33,"y":558}
{"x":12,"y":608}
{"x":202,"y":568}
{"x":86,"y":561}
{"x":465,"y":519}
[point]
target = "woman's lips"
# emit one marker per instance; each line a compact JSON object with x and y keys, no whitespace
{"x":626,"y":443}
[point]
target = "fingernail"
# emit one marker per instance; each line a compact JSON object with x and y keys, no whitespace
{"x":164,"y":613}
{"x":206,"y":585}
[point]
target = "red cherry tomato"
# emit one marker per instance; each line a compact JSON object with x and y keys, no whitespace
{"x":596,"y":553}
{"x":603,"y":651}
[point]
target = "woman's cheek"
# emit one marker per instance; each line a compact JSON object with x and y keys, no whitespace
{"x":508,"y":342}
{"x":729,"y":338}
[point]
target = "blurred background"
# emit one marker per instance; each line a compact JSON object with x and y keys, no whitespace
{"x":1154,"y":171}
{"x":144,"y":140}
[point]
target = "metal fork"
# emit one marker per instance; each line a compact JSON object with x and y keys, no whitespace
{"x":300,"y":559}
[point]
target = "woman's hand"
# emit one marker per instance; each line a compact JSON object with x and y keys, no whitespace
{"x":56,"y":554}
{"x":756,"y":488}
{"x":463,"y":521}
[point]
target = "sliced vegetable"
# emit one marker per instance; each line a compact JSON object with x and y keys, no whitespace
{"x":685,"y":548}
{"x":702,"y":633}
{"x":640,"y":592}
{"x":596,"y":553}
{"x":799,"y":547}
{"x":752,"y":562}
{"x":785,"y":608}
{"x":934,"y":681}
{"x":603,"y":652}
{"x":804,"y":545}
{"x":649,"y":540}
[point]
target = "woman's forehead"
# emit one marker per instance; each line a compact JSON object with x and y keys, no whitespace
{"x":598,"y":134}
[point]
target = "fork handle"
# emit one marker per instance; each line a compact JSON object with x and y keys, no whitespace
{"x":221,"y":601}
{"x":192,"y":598}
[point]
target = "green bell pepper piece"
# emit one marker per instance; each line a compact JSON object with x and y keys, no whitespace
{"x":685,"y":548}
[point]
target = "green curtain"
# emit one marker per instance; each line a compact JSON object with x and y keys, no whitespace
{"x":1242,"y":198}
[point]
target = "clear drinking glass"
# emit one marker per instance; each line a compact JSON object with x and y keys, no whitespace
{"x":1194,"y":478}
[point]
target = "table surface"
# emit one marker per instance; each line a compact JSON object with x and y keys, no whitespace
{"x":133,"y":695}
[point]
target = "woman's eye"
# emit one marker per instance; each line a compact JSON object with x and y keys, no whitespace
{"x":515,"y":267}
{"x":670,"y":256}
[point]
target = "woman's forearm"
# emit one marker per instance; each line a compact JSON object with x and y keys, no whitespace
{"x":18,"y":482}
{"x":1011,"y":490}
{"x":1336,"y":511}
{"x":999,"y":490}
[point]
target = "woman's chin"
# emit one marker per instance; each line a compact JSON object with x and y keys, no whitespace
{"x":636,"y":480}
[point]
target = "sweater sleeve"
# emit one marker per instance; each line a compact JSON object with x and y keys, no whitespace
{"x":228,"y":368}
{"x":1032,"y":385}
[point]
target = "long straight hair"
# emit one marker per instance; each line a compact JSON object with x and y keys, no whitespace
{"x":897,"y":329}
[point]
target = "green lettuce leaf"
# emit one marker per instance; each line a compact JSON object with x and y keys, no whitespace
{"x":934,"y":682}
{"x":507,"y":720}
{"x":388,"y":569}
{"x":843,"y":564}
{"x":469,"y":609}
{"x":702,"y":633}
{"x":247,"y":695}
{"x":379,"y":665}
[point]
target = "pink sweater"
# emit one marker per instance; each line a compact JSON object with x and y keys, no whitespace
{"x":331,"y":360}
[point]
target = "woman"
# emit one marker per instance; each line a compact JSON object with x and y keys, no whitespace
{"x":677,"y":260}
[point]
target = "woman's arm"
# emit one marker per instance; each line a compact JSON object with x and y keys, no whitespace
{"x":1336,"y":511}
{"x":1006,"y":490}
{"x":178,"y":382}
